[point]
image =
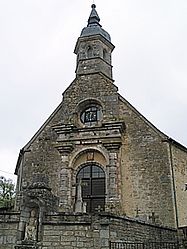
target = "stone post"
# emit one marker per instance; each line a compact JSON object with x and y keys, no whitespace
{"x":79,"y":202}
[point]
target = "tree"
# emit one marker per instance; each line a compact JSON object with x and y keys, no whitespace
{"x":7,"y":193}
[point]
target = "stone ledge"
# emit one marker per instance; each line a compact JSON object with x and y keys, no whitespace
{"x":103,"y":218}
{"x":26,"y":244}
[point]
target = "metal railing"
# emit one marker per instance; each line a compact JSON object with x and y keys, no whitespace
{"x":146,"y":245}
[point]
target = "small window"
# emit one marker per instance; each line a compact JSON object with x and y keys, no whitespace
{"x":89,"y":52}
{"x":92,"y":178}
{"x":104,"y":54}
{"x":91,"y":115}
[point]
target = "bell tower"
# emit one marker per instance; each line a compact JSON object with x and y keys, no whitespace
{"x":94,"y":48}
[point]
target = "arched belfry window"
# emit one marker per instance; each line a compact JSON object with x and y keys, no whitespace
{"x":89,"y":52}
{"x":92,"y":179}
{"x":104,"y":54}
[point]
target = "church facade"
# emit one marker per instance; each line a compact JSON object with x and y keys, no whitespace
{"x":97,"y":172}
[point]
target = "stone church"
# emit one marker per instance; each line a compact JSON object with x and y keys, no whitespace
{"x":97,"y":174}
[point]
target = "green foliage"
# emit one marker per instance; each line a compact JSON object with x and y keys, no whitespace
{"x":7,"y":193}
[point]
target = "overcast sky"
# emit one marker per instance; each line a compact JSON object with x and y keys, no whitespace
{"x":37,"y":39}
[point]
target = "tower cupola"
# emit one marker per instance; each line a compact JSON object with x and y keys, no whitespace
{"x":94,"y":48}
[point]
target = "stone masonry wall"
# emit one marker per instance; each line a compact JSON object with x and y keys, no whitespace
{"x":41,"y":155}
{"x":8,"y":229}
{"x":94,"y":86}
{"x":85,"y":231}
{"x":145,"y":170}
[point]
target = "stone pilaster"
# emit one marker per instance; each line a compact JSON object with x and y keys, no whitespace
{"x":65,"y":179}
{"x":65,"y":187}
{"x":113,"y":195}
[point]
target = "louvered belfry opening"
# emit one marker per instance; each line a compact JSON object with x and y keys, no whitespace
{"x":92,"y":179}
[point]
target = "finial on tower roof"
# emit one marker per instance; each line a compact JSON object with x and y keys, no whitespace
{"x":94,"y":17}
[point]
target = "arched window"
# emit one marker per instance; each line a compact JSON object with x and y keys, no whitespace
{"x":89,"y":52}
{"x":90,"y":112}
{"x":91,"y":115}
{"x":104,"y":54}
{"x":92,"y":179}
